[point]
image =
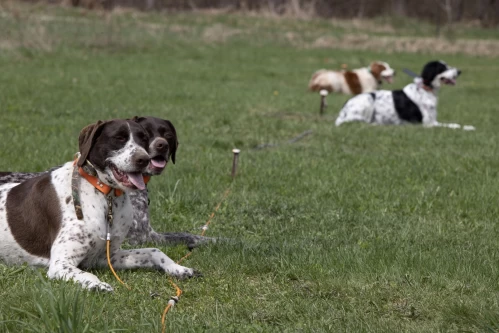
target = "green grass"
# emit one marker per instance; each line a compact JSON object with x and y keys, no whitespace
{"x":352,"y":229}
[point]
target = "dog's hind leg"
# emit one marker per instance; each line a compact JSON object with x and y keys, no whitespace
{"x":358,"y":108}
{"x":17,"y":177}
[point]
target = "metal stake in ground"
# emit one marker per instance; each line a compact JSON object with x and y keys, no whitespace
{"x":324,"y":94}
{"x":234,"y":161}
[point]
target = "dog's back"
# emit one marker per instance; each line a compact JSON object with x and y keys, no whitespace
{"x":331,"y":81}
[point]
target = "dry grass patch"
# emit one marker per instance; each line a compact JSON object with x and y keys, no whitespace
{"x":392,"y":44}
{"x":218,"y":33}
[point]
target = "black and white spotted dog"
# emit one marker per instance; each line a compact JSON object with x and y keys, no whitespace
{"x":162,"y":147}
{"x":38,"y":217}
{"x":416,"y":103}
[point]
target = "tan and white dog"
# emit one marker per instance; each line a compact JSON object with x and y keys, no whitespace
{"x":354,"y":82}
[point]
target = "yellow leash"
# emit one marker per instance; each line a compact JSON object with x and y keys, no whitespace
{"x":108,"y":245}
{"x":108,"y":239}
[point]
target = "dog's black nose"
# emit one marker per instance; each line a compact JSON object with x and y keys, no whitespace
{"x":141,"y":160}
{"x":161,"y":145}
{"x":458,"y":72}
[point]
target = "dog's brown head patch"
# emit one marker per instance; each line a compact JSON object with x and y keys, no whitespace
{"x":87,"y":139}
{"x":109,"y":136}
{"x":376,"y":69}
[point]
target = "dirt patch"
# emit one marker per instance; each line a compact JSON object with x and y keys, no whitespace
{"x":392,"y":44}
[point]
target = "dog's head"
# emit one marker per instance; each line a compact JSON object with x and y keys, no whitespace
{"x":382,"y":71}
{"x":117,"y":149}
{"x":437,"y":72}
{"x":163,"y":142}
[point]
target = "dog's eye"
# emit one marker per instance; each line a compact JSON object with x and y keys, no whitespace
{"x":121,"y":138}
{"x":162,"y":131}
{"x":142,"y":138}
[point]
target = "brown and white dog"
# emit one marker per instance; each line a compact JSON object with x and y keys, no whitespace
{"x":163,"y":145}
{"x":352,"y":82}
{"x":38,"y":217}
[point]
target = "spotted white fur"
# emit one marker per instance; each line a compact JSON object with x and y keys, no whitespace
{"x":378,"y":107}
{"x":80,"y":244}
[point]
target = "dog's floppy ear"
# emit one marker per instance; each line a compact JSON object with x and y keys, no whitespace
{"x":430,"y":71}
{"x":172,"y":141}
{"x":376,"y":69}
{"x":86,"y":140}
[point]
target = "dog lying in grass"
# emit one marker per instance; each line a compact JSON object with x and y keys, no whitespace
{"x":162,"y":147}
{"x":416,"y":103}
{"x":357,"y":81}
{"x":61,"y":219}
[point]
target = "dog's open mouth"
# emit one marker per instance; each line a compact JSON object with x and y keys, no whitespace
{"x":388,"y":78}
{"x":158,"y":163}
{"x":451,"y":82}
{"x":133,"y":180}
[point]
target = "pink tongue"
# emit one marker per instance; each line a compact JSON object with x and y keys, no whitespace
{"x":137,"y":180}
{"x":158,"y":163}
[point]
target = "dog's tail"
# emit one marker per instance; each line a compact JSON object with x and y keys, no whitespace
{"x":319,"y":81}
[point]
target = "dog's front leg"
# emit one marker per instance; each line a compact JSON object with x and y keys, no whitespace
{"x":141,"y":227}
{"x":73,"y":248}
{"x":65,"y":269}
{"x":448,"y":125}
{"x":453,"y":126}
{"x":141,"y":231}
{"x":177,"y":238}
{"x":148,"y":258}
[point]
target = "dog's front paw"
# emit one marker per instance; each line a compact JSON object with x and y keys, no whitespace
{"x":99,"y":286}
{"x":454,"y":126}
{"x":181,"y":272}
{"x":469,"y":128}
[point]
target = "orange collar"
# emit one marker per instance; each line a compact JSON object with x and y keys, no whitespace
{"x":106,"y":189}
{"x":425,"y":87}
{"x":98,"y":184}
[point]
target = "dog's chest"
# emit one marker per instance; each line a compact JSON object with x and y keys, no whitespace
{"x":87,"y":237}
{"x":366,"y":80}
{"x":101,"y":213}
{"x":425,"y":100}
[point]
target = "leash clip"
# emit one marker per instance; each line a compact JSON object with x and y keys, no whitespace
{"x":173,"y":300}
{"x":110,"y":210}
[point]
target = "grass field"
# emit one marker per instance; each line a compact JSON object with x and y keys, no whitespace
{"x":352,"y":229}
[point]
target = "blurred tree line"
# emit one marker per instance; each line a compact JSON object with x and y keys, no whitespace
{"x":440,"y":12}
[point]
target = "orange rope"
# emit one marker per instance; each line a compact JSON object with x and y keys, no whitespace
{"x":108,"y":245}
{"x":172,"y":301}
